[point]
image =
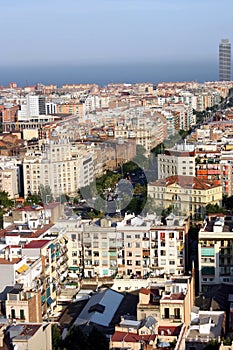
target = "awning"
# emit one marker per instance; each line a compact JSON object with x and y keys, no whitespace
{"x":72,"y":275}
{"x":49,"y":301}
{"x":73,"y":268}
{"x":22,"y":268}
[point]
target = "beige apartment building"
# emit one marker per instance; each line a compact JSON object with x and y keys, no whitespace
{"x":23,"y":306}
{"x":31,"y":336}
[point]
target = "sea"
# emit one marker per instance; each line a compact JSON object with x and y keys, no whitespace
{"x":106,"y":73}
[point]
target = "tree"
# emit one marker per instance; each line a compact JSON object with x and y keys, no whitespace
{"x":76,"y":340}
{"x":97,"y":340}
{"x":45,"y":193}
{"x":32,"y":199}
{"x":228,"y":202}
{"x":213,"y":209}
{"x":5,"y":201}
{"x":56,"y":338}
{"x":5,"y":204}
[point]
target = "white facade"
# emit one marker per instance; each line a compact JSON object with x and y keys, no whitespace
{"x":9,"y":176}
{"x":177,"y":161}
{"x":59,"y":167}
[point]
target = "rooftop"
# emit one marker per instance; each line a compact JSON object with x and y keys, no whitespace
{"x":184,"y":182}
{"x":37,"y":244}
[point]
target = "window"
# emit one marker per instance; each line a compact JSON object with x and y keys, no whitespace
{"x":166,"y":312}
{"x":12,"y":313}
{"x":177,"y":313}
{"x":21,"y":312}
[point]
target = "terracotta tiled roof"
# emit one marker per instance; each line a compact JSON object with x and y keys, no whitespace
{"x":185,"y":182}
{"x":174,"y":296}
{"x":144,"y":291}
{"x":37,"y":243}
{"x":9,"y":262}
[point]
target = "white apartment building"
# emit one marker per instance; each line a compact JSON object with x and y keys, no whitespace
{"x":215,"y":251}
{"x":59,"y":167}
{"x":135,"y":246}
{"x":9,"y":176}
{"x":168,"y":246}
{"x":179,"y":160}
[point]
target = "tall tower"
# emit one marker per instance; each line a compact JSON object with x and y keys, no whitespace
{"x":225,"y":60}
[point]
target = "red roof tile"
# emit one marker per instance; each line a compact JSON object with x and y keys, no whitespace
{"x":9,"y":262}
{"x":37,"y":243}
{"x":174,"y":296}
{"x":144,"y":291}
{"x":185,"y":182}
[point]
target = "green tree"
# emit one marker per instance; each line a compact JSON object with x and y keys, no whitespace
{"x":5,"y":201}
{"x":56,"y":338}
{"x":5,"y":204}
{"x":32,"y":199}
{"x":212,"y":345}
{"x":213,"y":209}
{"x":167,"y":211}
{"x":97,"y":340}
{"x":228,"y":202}
{"x":76,"y":340}
{"x":45,"y":194}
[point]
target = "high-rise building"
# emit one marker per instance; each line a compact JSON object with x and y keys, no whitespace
{"x":225,"y":60}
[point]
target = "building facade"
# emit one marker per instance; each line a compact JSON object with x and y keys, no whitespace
{"x":225,"y":60}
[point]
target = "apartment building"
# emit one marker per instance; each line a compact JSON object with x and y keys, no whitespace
{"x":179,"y":160}
{"x":71,"y":107}
{"x":208,"y":166}
{"x":135,"y":246}
{"x":31,"y":336}
{"x":58,"y":166}
{"x":43,"y":263}
{"x":31,"y":106}
{"x":170,"y":302}
{"x":215,"y":251}
{"x":33,"y":216}
{"x":135,"y":256}
{"x":183,"y":115}
{"x":9,"y":176}
{"x":186,"y":194}
{"x":141,"y":128}
{"x":205,"y":327}
{"x":168,"y":246}
{"x":23,"y":306}
{"x":226,"y":167}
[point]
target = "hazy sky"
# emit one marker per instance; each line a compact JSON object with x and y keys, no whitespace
{"x":59,"y":32}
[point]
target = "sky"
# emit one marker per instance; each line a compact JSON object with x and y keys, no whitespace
{"x":84,"y":32}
